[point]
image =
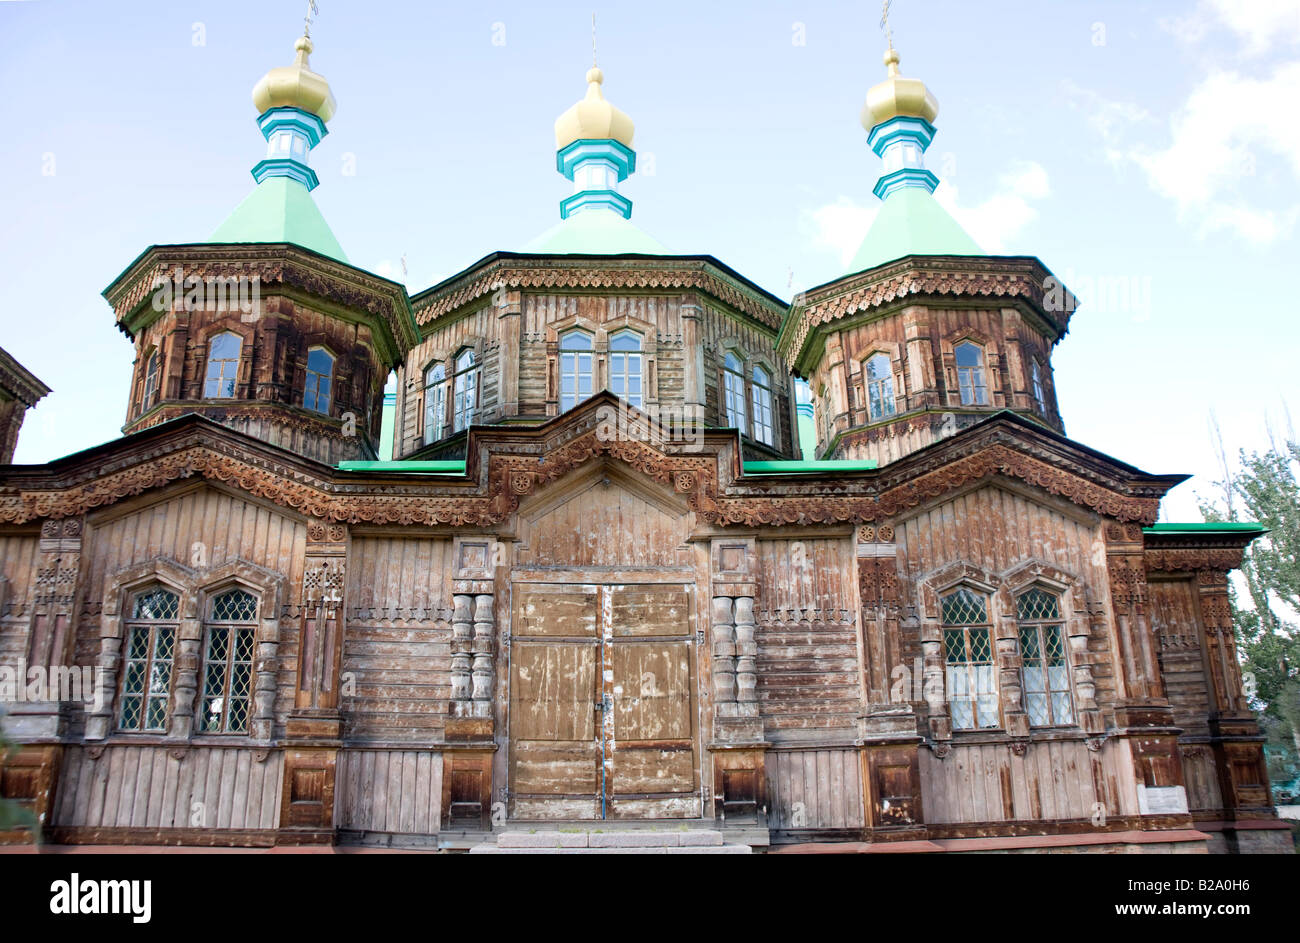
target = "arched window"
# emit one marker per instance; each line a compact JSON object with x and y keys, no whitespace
{"x":149,"y":647}
{"x":970,"y":374}
{"x":320,"y":375}
{"x":1045,"y":671}
{"x":625,"y":366}
{"x":465,"y":389}
{"x":576,"y":375}
{"x":968,"y":660}
{"x":880,"y":386}
{"x":228,"y":662}
{"x":761,"y":399}
{"x":1039,"y":396}
{"x":223,"y":366}
{"x":150,"y":380}
{"x":435,"y":402}
{"x":733,"y":381}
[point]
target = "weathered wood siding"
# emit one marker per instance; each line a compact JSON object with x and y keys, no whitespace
{"x":201,"y":527}
{"x":397,"y":648}
{"x":19,"y":553}
{"x":998,"y":529}
{"x":805,"y":611}
{"x":146,"y":787}
{"x":389,"y":791}
{"x":1054,"y":780}
{"x":814,"y":788}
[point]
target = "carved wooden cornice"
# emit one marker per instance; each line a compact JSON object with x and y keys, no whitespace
{"x":1192,"y":559}
{"x":546,"y":274}
{"x":917,"y":278}
{"x":509,"y":463}
{"x":278,"y":265}
{"x":19,"y":382}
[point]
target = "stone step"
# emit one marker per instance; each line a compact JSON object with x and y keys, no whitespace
{"x":630,"y":841}
{"x":487,"y":849}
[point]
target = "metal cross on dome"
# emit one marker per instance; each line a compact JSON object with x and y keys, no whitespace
{"x":307,"y":20}
{"x":884,"y":22}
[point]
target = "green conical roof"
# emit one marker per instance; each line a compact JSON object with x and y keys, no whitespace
{"x":911,"y":222}
{"x":280,"y":209}
{"x":596,"y":232}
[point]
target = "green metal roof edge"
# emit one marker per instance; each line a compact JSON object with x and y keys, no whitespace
{"x":1205,"y":527}
{"x":808,"y":466}
{"x":427,"y":468}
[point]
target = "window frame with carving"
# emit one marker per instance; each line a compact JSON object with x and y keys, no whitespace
{"x":435,"y":402}
{"x":879,"y":389}
{"x":972,"y":376}
{"x":314,"y":379}
{"x":237,"y":631}
{"x":577,"y":364}
{"x":1033,"y":632}
{"x":465,"y":389}
{"x":159,"y":633}
{"x":761,"y":399}
{"x":627,"y":367}
{"x":222,"y":377}
{"x":734,"y":405}
{"x":967,"y":680}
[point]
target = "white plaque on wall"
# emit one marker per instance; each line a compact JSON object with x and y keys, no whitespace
{"x":1161,"y":800}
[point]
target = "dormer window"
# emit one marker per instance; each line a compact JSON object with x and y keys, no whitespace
{"x":880,"y":386}
{"x":761,"y":397}
{"x":223,"y":366}
{"x":970,"y":374}
{"x":733,"y":382}
{"x":625,"y":366}
{"x":576,"y":374}
{"x":465,"y":390}
{"x":320,"y":376}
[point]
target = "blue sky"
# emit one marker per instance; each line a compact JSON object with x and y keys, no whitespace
{"x":1147,"y":153}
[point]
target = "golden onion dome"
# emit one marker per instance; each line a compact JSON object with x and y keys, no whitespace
{"x":593,"y":118}
{"x":295,"y":86}
{"x":898,"y":97}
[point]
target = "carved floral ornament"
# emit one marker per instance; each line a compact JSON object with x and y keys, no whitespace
{"x":663,"y":275}
{"x":512,"y":475}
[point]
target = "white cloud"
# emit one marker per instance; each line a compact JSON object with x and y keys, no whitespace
{"x":1005,"y":214}
{"x":841,"y":226}
{"x":1258,"y":24}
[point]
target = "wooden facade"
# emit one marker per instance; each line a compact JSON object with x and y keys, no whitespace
{"x":599,"y":623}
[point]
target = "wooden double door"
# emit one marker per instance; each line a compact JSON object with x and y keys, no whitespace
{"x":602,"y":702}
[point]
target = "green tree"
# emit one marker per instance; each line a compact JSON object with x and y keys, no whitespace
{"x":1266,"y":489}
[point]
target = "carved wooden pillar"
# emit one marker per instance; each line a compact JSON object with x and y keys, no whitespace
{"x":1009,"y":662}
{"x":186,"y":668}
{"x":940,"y":723}
{"x":888,"y":739}
{"x":473,"y":643}
{"x":1085,"y":686}
{"x":1143,"y":716}
{"x":737,"y":750}
{"x":320,"y":644}
{"x":693,"y":392}
{"x":55,"y":592}
{"x":509,"y":311}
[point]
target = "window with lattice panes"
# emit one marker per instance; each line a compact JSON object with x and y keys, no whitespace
{"x":320,"y":376}
{"x":223,"y":365}
{"x":149,"y":646}
{"x":577,"y":369}
{"x":968,"y":660}
{"x":150,"y":380}
{"x":1040,"y":397}
{"x":1045,"y":671}
{"x":228,"y":662}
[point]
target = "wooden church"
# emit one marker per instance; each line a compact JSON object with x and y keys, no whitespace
{"x":587,"y":577}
